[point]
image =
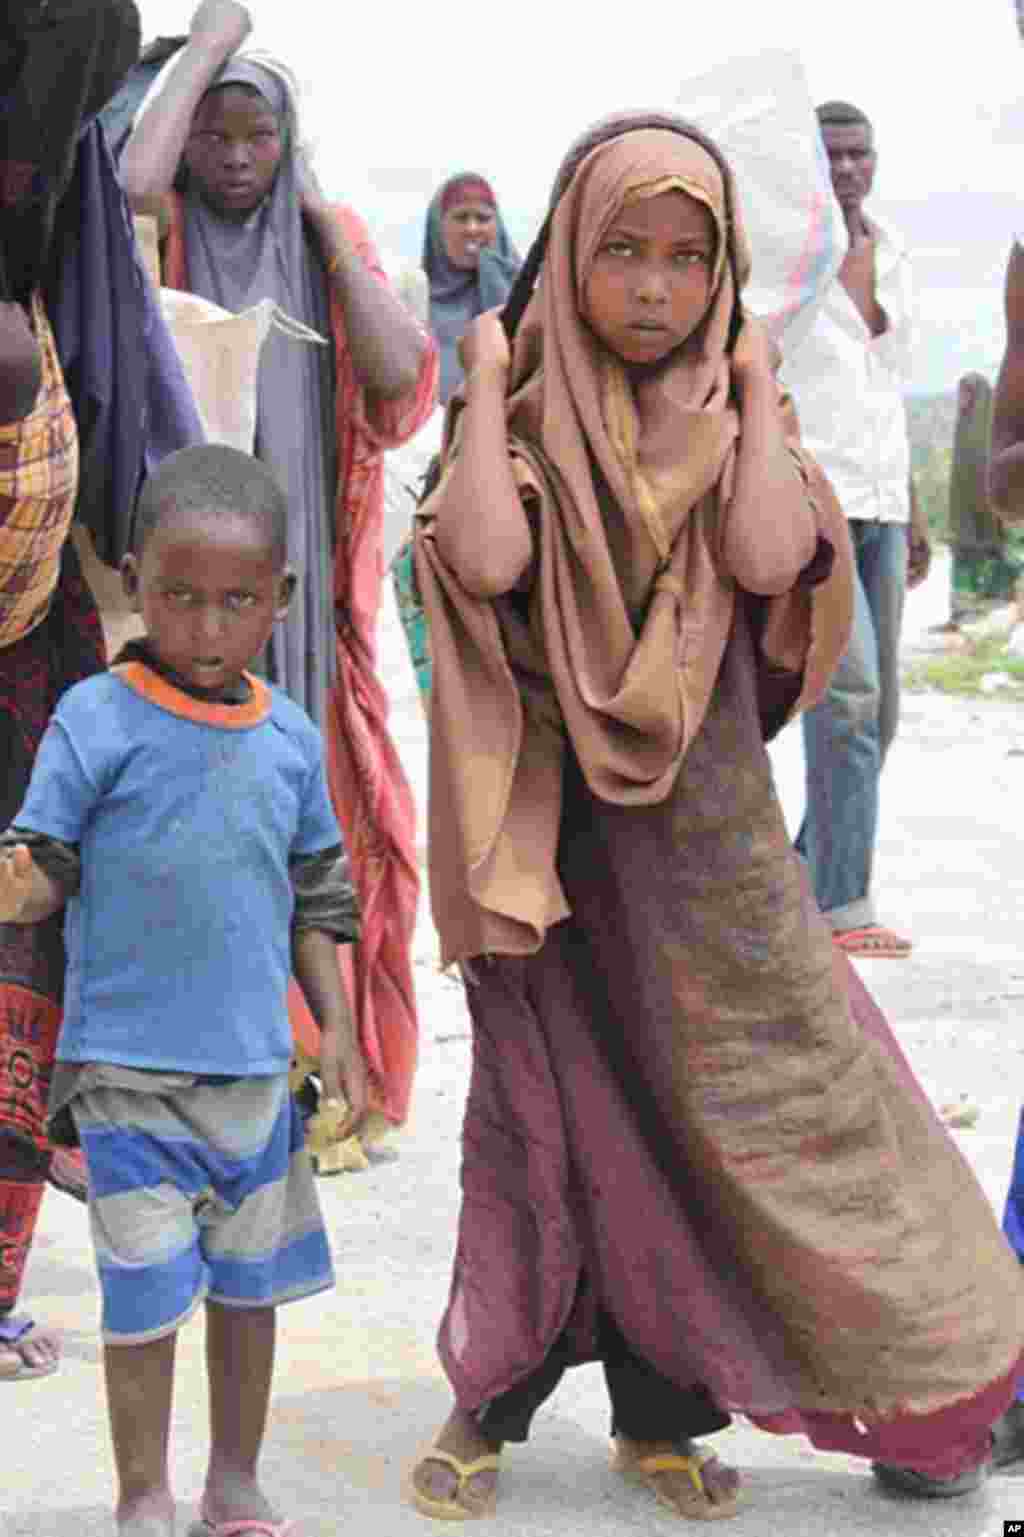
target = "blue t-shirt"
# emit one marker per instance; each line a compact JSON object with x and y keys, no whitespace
{"x":186,"y":815}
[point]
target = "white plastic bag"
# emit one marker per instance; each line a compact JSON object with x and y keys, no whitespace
{"x":760,"y":112}
{"x":220,"y":353}
{"x":221,"y":356}
{"x":220,"y":350}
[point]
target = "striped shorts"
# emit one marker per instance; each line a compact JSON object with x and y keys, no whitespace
{"x":203,"y":1190}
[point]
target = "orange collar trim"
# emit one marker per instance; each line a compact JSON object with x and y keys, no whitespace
{"x":205,"y":712}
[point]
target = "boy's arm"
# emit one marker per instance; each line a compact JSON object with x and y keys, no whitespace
{"x":40,"y":858}
{"x":27,"y":893}
{"x":1006,"y":464}
{"x":342,"y":1070}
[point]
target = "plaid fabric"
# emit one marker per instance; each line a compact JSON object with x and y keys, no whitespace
{"x":38,"y":480}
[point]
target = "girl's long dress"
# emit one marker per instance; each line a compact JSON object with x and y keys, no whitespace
{"x":676,"y":1115}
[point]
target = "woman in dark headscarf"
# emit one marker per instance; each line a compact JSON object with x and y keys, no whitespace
{"x":217,"y":156}
{"x":470,"y":264}
{"x":88,"y":374}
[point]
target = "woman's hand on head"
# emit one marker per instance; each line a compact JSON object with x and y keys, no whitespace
{"x":20,"y":364}
{"x":484,"y":349}
{"x":223,"y":23}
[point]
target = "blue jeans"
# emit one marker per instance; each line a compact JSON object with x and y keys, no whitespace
{"x":847,"y":735}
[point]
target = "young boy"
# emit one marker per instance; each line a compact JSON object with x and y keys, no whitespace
{"x":179,"y":806}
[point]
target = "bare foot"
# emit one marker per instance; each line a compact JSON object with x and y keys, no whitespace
{"x":35,"y":1353}
{"x":707,"y":1490}
{"x":147,"y":1515}
{"x":233,"y":1496}
{"x":438,"y":1481}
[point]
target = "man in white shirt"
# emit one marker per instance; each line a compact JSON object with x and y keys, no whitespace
{"x":847,"y":378}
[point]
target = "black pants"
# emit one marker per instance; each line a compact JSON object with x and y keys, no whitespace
{"x":645,"y":1405}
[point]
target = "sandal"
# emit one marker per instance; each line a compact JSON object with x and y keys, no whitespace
{"x":252,"y":1527}
{"x":872,"y":941}
{"x":452,"y":1509}
{"x":694,"y":1503}
{"x":913,"y":1485}
{"x":15,"y":1332}
{"x":241,"y":1528}
{"x":1008,"y":1436}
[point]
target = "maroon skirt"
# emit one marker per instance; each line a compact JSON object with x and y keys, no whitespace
{"x":685,"y":1110}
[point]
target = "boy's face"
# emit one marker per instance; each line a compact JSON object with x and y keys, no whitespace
{"x":209,"y":589}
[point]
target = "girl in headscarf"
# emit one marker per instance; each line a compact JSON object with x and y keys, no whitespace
{"x":470,"y":264}
{"x":986,"y":558}
{"x":692,"y":1148}
{"x":218,"y":158}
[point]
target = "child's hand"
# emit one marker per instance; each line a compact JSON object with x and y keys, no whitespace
{"x":484,"y":349}
{"x":17,"y":870}
{"x":756,"y":354}
{"x":343,"y":1077}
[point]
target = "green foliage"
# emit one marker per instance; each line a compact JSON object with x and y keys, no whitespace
{"x":961,"y":672}
{"x":930,"y":423}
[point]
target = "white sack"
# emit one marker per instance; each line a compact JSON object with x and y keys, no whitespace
{"x":759,"y":110}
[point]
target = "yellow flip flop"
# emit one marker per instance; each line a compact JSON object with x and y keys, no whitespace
{"x":696,"y":1504}
{"x":450,"y":1509}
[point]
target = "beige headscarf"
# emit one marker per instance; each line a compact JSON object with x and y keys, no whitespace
{"x":630,"y":604}
{"x":662,"y":450}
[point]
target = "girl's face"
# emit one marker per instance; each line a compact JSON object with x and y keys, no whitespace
{"x":465,"y":229}
{"x":650,"y":282}
{"x":233,"y":150}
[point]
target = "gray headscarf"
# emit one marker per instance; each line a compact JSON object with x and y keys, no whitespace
{"x":236,"y":264}
{"x":458,"y":294}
